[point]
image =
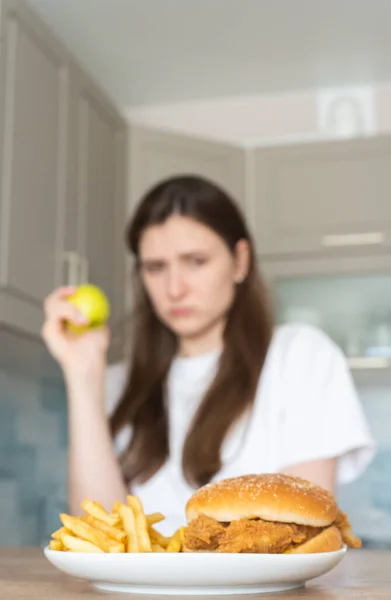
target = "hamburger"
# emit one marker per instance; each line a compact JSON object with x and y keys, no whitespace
{"x":270,"y":513}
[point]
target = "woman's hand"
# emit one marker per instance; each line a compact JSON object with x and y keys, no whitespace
{"x":75,"y":352}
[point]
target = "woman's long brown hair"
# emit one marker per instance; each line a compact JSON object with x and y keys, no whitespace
{"x":153,"y":346}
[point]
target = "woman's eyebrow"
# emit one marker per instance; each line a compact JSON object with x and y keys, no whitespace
{"x":184,"y":254}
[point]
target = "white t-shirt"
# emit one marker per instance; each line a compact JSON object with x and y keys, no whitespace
{"x":306,"y":409}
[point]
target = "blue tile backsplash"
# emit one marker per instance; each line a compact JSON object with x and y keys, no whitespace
{"x":33,"y":454}
{"x":368,"y":500}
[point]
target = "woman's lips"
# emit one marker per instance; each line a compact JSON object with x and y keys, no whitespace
{"x":181,"y":312}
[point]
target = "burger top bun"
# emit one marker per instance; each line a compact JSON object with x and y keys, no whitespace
{"x":271,"y":497}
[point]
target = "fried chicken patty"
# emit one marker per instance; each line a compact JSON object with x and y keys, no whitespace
{"x":256,"y":535}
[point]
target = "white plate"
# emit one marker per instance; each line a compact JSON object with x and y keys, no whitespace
{"x":194,"y":573}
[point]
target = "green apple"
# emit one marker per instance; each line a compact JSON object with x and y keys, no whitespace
{"x":93,"y":304}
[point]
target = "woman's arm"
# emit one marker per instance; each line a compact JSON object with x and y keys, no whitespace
{"x":321,"y":472}
{"x":93,"y":468}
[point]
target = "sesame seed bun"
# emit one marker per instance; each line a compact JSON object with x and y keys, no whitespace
{"x":271,"y":497}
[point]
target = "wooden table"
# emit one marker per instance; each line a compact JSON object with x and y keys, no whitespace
{"x":25,"y":574}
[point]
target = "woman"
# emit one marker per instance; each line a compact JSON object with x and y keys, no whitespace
{"x":211,"y":390}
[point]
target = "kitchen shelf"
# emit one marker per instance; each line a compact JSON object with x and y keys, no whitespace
{"x":370,"y":372}
{"x":353,"y":310}
{"x":368,"y":363}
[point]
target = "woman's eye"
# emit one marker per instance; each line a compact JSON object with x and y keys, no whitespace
{"x":153,"y":268}
{"x":197,"y":261}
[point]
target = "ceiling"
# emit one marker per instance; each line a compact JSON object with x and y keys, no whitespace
{"x":160,"y":51}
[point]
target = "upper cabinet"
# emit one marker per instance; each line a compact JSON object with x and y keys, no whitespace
{"x":62,"y":174}
{"x":96,"y":207}
{"x":33,"y":140}
{"x":323,"y":199}
{"x":156,"y":155}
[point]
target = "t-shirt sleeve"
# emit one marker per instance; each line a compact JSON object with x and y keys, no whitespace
{"x":321,"y":416}
{"x":115,"y":383}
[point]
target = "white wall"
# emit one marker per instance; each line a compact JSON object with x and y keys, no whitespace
{"x":253,"y":120}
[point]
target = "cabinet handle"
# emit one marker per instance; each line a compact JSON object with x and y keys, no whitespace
{"x":354,"y":239}
{"x":72,"y":261}
{"x":84,"y":269}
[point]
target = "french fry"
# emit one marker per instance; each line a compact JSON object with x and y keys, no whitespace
{"x":95,"y":509}
{"x":56,"y":545}
{"x":181,"y":535}
{"x":158,"y":538}
{"x":144,"y":543}
{"x":129,"y":525}
{"x":117,"y":547}
{"x":86,"y":532}
{"x":112,"y":532}
{"x":126,"y":529}
{"x":154,"y":518}
{"x":176,"y":541}
{"x":116,"y":506}
{"x":174,"y":545}
{"x":76,"y":545}
{"x":56,"y":535}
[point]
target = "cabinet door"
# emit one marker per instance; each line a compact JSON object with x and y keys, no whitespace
{"x":33,"y":139}
{"x":325,"y":197}
{"x":97,"y":194}
{"x":156,"y":155}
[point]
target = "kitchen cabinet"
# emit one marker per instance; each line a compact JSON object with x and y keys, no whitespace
{"x":324,"y":199}
{"x":62,"y":172}
{"x":318,"y":207}
{"x":322,"y":215}
{"x":96,"y":200}
{"x":157,"y":155}
{"x":33,"y":115}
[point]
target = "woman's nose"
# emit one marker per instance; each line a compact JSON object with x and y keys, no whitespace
{"x":176,"y":285}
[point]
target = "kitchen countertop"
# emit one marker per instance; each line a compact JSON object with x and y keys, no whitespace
{"x":25,"y":574}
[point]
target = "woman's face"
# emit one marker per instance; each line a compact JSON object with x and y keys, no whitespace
{"x":190,"y":274}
